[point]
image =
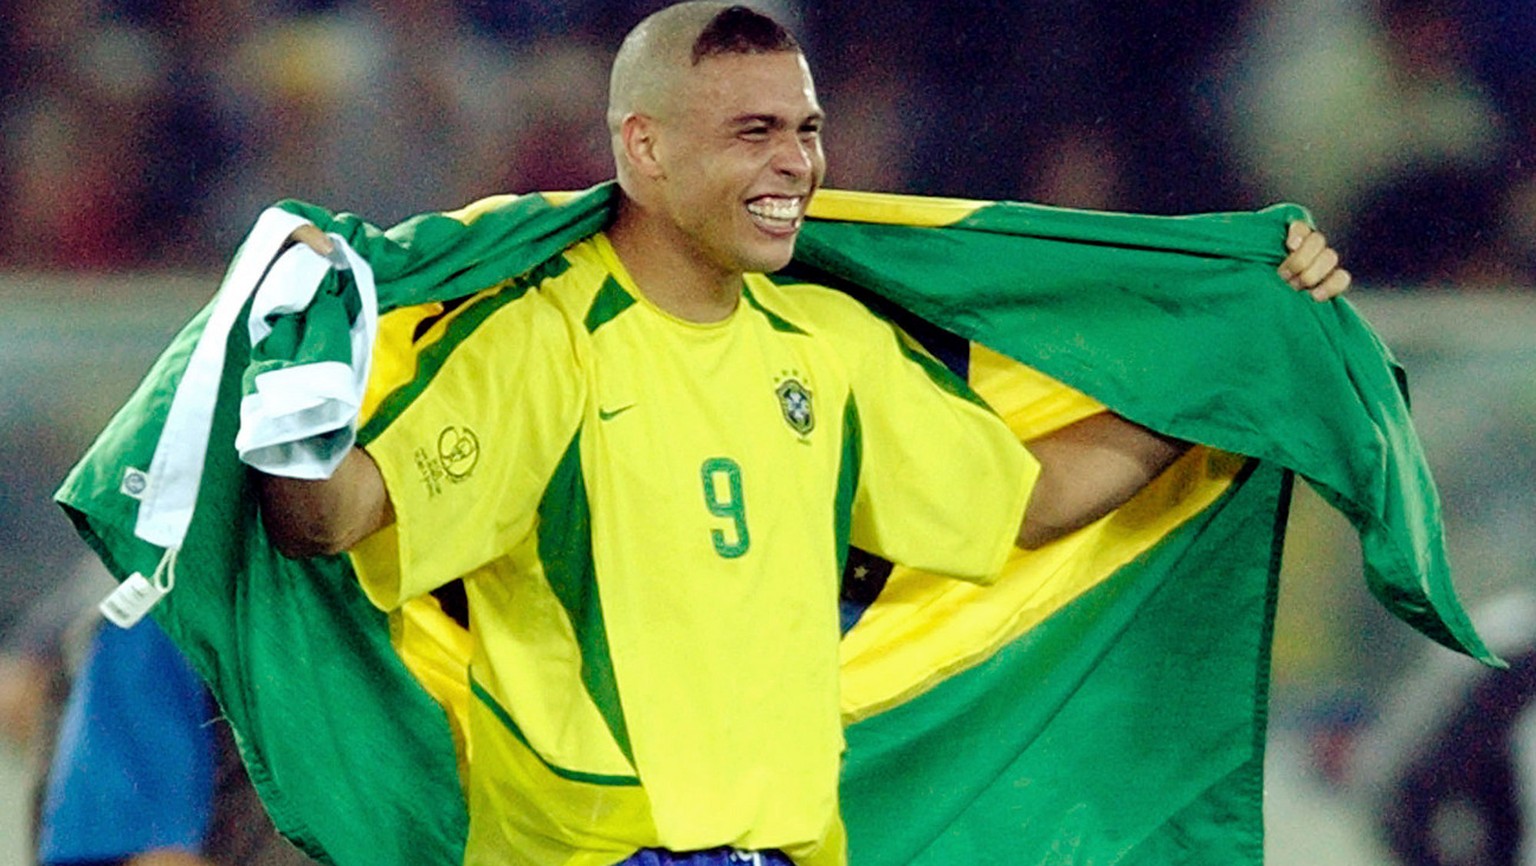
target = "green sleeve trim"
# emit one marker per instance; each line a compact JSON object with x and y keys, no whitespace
{"x":937,"y":372}
{"x":775,"y":321}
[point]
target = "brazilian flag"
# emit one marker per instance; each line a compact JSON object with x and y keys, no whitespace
{"x":1103,"y":703}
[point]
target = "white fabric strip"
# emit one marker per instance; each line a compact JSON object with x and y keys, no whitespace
{"x":170,"y":492}
{"x":165,"y":507}
{"x":283,"y":425}
{"x":288,"y":287}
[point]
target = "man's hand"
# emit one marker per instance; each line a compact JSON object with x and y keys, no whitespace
{"x":1312,"y":265}
{"x":311,"y":236}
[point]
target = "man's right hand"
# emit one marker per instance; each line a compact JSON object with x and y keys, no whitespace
{"x":306,"y":517}
{"x":311,"y":236}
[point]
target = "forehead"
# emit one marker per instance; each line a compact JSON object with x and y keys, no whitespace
{"x":728,"y":85}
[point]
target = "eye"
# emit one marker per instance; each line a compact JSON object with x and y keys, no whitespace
{"x":810,"y":129}
{"x":755,"y":132}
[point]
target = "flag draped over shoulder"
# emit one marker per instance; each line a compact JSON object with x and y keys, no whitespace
{"x":1103,"y":703}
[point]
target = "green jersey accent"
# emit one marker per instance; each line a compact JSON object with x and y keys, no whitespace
{"x":847,"y":481}
{"x":462,"y":325}
{"x":565,"y":548}
{"x":501,"y":714}
{"x":611,"y":300}
{"x":774,"y":319}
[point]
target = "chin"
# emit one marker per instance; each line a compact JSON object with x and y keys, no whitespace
{"x":769,"y":259}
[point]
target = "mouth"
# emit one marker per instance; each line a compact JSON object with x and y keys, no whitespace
{"x":777,"y":215}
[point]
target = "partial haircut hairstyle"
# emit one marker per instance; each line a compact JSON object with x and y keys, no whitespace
{"x":739,"y":30}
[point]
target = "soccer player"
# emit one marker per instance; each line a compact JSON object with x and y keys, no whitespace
{"x":647,"y":460}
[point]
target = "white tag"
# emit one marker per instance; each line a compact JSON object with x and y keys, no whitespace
{"x":135,"y":483}
{"x":131,"y":600}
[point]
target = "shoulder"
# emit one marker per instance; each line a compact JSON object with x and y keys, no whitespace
{"x":873,"y":346}
{"x":820,"y":311}
{"x":557,"y":292}
{"x":502,"y":332}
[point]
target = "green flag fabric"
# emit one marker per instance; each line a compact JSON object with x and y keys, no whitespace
{"x":1124,"y":724}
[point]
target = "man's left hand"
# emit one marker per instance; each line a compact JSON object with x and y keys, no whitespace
{"x":1312,"y":266}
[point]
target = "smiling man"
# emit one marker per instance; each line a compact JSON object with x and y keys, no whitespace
{"x":672,"y":454}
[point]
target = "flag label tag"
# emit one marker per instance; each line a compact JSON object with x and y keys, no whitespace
{"x":135,"y":483}
{"x":132,"y":599}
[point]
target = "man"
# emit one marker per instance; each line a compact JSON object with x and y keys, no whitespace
{"x":658,"y":458}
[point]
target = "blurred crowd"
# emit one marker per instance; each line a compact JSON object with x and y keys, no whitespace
{"x":148,"y":133}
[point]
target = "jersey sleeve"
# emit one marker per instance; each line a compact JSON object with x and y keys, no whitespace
{"x":465,"y":437}
{"x":942,"y":480}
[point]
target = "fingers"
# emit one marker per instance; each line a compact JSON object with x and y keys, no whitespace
{"x":1295,"y":233}
{"x":1333,"y":285}
{"x":1313,"y":273}
{"x":1307,"y":248}
{"x":312,"y":237}
{"x":1312,"y":265}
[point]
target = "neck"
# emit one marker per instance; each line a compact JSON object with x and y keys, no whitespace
{"x":669,"y":270}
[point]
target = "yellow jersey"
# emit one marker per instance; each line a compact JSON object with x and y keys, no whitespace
{"x":651,"y":517}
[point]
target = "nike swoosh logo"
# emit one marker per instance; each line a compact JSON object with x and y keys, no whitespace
{"x":607,"y":415}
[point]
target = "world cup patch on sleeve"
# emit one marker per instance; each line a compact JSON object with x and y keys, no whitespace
{"x":459,"y":449}
{"x":455,"y":456}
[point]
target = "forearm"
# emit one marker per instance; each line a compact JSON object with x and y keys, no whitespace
{"x":312,"y":518}
{"x":1089,"y":469}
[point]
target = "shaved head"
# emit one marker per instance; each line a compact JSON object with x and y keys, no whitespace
{"x":666,"y":45}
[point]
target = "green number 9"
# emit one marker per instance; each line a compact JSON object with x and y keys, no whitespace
{"x":731,"y":505}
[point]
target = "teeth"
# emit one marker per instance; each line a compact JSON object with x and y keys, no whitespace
{"x":775,"y":208}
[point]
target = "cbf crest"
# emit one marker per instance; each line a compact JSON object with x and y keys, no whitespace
{"x":795,"y":402}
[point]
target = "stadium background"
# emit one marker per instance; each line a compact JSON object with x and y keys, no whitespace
{"x":139,"y":138}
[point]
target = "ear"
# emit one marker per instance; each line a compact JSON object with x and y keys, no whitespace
{"x":639,"y":133}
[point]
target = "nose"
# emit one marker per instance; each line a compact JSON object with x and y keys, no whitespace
{"x":794,"y":157}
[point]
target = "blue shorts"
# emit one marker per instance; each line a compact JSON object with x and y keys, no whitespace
{"x":712,"y":857}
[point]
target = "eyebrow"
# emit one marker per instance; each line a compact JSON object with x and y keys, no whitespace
{"x":773,"y":121}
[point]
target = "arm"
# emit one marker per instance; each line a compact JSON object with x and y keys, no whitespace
{"x":1094,"y":466}
{"x":311,"y":518}
{"x":1088,"y":469}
